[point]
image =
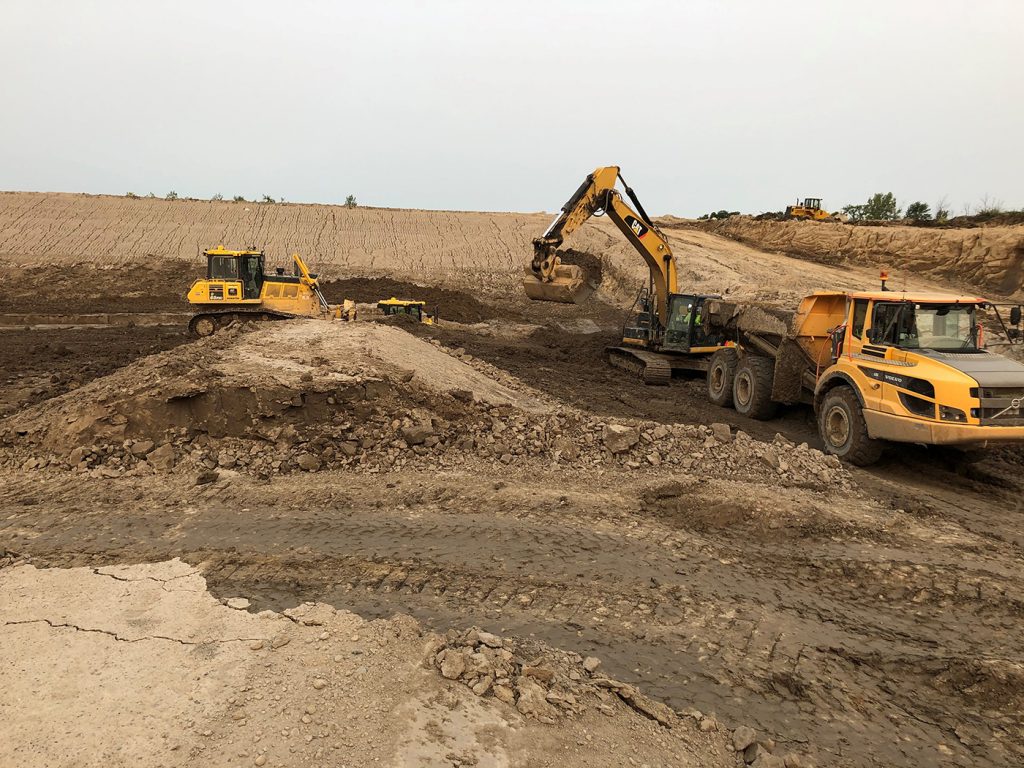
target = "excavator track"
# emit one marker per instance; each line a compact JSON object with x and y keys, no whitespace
{"x":205,"y":324}
{"x":651,"y":368}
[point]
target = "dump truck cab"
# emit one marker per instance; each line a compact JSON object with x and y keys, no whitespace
{"x":917,"y":366}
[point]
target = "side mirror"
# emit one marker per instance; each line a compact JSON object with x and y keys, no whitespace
{"x":1015,"y":315}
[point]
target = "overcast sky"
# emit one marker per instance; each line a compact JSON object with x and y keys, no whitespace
{"x":507,"y":106}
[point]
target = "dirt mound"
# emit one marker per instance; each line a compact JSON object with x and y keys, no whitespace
{"x":987,"y":258}
{"x":312,"y":395}
{"x":448,"y":304}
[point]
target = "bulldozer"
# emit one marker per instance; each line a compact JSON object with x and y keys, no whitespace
{"x":411,"y":307}
{"x":663,"y":330}
{"x":237,"y":289}
{"x":811,"y":209}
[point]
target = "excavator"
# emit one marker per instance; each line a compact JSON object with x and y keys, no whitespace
{"x":236,"y":289}
{"x":664,"y":328}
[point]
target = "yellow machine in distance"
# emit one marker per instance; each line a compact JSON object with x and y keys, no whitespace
{"x":417,"y":309}
{"x":810,"y":208}
{"x":237,"y":289}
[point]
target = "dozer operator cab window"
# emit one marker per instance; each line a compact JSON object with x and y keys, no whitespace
{"x":222,"y":268}
{"x":252,"y":276}
{"x":812,"y":202}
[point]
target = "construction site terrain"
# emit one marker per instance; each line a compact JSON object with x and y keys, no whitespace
{"x":472,"y":543}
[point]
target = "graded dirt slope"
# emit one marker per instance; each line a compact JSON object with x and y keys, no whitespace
{"x":49,"y":242}
{"x":988,"y":258}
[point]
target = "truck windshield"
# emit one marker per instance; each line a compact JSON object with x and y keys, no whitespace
{"x":949,"y":327}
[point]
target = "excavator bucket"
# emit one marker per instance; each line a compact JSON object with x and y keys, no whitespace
{"x":569,"y":285}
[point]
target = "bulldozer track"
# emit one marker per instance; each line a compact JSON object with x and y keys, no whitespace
{"x":652,"y":369}
{"x":222,"y":319}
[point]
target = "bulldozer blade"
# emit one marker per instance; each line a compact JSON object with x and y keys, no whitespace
{"x":568,"y":286}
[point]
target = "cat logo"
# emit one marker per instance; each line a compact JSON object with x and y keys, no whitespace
{"x":636,"y":226}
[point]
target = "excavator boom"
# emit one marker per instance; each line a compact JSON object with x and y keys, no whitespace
{"x":548,"y":279}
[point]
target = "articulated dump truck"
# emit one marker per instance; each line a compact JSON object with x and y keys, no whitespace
{"x":876,"y":366}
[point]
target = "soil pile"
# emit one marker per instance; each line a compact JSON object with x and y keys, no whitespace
{"x":312,"y":395}
{"x":448,"y":304}
{"x":984,"y":258}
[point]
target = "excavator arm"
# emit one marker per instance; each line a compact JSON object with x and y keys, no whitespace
{"x":550,"y":280}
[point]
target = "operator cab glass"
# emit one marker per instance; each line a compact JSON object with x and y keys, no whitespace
{"x":683,"y":315}
{"x":914,"y":325}
{"x":222,"y":268}
{"x":251,"y":275}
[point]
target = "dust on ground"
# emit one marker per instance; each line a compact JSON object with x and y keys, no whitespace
{"x":743,"y":577}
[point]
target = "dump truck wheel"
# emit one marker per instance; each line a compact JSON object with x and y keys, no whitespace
{"x":843,"y":429}
{"x":752,"y":388}
{"x":721,"y":372}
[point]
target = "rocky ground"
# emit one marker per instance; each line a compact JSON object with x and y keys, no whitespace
{"x":474,"y":543}
{"x":192,"y":680}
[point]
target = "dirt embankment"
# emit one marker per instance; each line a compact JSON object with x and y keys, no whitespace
{"x":450,"y":247}
{"x":989,"y":259}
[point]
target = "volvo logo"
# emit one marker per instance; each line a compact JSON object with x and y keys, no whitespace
{"x":1015,"y":403}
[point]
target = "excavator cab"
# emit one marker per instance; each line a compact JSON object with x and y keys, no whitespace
{"x":687,"y":331}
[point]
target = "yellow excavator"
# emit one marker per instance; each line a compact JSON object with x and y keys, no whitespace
{"x":237,"y":289}
{"x":664,"y":329}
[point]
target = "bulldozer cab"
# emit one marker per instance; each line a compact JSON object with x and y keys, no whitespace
{"x":417,"y":309}
{"x":813,"y":203}
{"x":245,"y":267}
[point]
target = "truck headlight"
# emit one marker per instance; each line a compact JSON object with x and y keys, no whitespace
{"x":951,"y":414}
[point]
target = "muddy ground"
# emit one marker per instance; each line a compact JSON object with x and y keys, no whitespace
{"x":875,"y":624}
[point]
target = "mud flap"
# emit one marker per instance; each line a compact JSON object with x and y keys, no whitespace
{"x":569,"y":285}
{"x":790,"y":364}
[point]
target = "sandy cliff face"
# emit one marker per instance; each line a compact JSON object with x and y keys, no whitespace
{"x":981,"y":258}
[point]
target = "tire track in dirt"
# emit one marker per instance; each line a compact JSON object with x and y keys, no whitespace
{"x":764,"y":628}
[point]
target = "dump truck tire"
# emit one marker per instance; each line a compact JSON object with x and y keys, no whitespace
{"x":752,"y":388}
{"x":843,"y":429}
{"x":721,"y":372}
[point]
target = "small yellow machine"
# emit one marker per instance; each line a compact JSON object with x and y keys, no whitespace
{"x":809,"y":209}
{"x":237,"y":289}
{"x":417,"y":309}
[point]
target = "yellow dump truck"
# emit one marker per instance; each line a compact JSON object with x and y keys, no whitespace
{"x":877,"y":366}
